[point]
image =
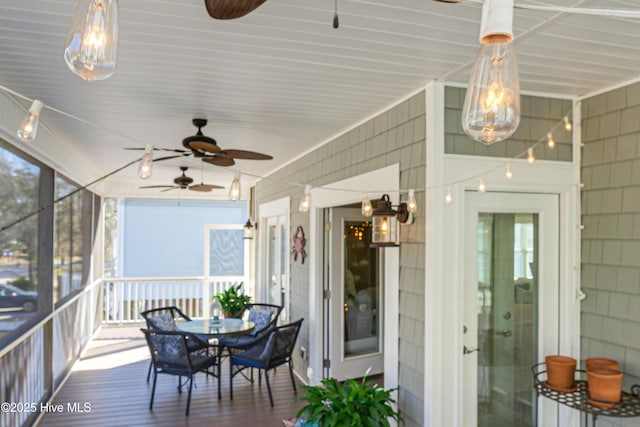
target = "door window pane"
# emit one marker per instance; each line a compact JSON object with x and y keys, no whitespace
{"x":226,"y":252}
{"x":361,"y":290}
{"x":507,"y":318}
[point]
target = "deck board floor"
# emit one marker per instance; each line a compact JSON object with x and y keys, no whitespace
{"x":111,"y":378}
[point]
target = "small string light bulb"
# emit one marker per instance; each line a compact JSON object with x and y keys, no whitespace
{"x":550,"y":142}
{"x":567,"y":124}
{"x":412,"y":205}
{"x":530,"y":157}
{"x":367,"y":209}
{"x":448,"y":198}
{"x":305,"y":202}
{"x":234,"y":190}
{"x":29,"y":126}
{"x":146,"y":163}
{"x":481,"y":187}
{"x":508,"y":173}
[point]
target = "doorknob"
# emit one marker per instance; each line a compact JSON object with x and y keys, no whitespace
{"x":505,"y":333}
{"x":466,"y":350}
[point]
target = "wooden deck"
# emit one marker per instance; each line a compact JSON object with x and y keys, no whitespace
{"x":111,"y":380}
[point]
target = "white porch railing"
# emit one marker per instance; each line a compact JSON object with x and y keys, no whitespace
{"x":125,"y":298}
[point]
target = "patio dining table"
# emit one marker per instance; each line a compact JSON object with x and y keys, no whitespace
{"x":213,"y":331}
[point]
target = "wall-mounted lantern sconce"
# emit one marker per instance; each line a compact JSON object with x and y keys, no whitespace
{"x":249,"y":229}
{"x":386,"y":221}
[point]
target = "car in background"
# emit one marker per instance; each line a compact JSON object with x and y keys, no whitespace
{"x":13,"y":298}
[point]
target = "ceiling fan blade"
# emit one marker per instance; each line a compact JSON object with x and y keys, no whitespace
{"x":159,"y":159}
{"x":205,"y":187}
{"x":169,"y":189}
{"x":231,"y":9}
{"x":158,"y":186}
{"x":247,"y":155}
{"x":173,"y":150}
{"x":219,"y":161}
{"x":204,"y":146}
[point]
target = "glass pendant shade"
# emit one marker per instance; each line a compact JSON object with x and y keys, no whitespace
{"x":146,"y":163}
{"x":29,"y":126}
{"x":491,"y":111}
{"x":92,"y":44}
{"x":234,"y":190}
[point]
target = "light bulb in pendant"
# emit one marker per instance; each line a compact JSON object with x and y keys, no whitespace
{"x":305,"y":202}
{"x":491,"y":110}
{"x":530,"y":158}
{"x":567,"y":123}
{"x":481,"y":186}
{"x":92,"y":44}
{"x":234,"y":190}
{"x":146,"y":163}
{"x":29,"y":126}
{"x":367,"y":209}
{"x":550,"y":142}
{"x":412,"y":205}
{"x":448,"y":198}
{"x":508,"y":173}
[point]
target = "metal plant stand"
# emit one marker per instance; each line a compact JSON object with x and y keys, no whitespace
{"x":629,"y":406}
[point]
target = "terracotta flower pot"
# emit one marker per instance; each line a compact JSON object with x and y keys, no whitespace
{"x":604,"y":384}
{"x":600,"y":362}
{"x":561,"y":373}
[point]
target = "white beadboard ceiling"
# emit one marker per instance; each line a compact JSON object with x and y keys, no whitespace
{"x":280,"y":80}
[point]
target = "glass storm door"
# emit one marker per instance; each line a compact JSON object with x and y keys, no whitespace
{"x":356,"y":309}
{"x":511,"y":306}
{"x":277,"y":256}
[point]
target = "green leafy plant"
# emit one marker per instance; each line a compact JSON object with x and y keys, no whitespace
{"x":233,"y":299}
{"x":351,"y":403}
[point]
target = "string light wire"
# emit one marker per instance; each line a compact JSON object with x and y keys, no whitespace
{"x":563,"y":122}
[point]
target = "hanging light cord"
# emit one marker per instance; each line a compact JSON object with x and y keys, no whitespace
{"x":336,"y":20}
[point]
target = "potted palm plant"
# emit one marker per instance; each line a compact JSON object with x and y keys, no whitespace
{"x":351,"y":403}
{"x":233,"y":299}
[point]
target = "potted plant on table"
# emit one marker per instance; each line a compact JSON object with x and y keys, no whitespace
{"x":233,"y":299}
{"x":351,"y":403}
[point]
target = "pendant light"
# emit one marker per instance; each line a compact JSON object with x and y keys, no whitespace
{"x":92,"y":43}
{"x":29,"y":126}
{"x":146,"y":163}
{"x":234,"y":189}
{"x":491,"y":111}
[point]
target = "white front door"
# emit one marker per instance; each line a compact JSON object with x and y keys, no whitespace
{"x":356,"y":304}
{"x":511,"y":298}
{"x":277,"y":250}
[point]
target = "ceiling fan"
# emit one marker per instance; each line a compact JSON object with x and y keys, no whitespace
{"x":184,"y":182}
{"x":206,"y":148}
{"x":231,"y":9}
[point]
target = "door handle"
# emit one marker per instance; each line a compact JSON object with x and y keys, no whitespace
{"x":466,"y":350}
{"x":505,"y":333}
